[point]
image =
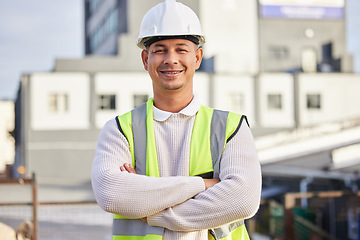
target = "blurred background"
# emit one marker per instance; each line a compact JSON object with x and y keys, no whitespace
{"x":291,"y":66}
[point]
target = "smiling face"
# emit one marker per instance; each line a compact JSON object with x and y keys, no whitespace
{"x":171,"y":65}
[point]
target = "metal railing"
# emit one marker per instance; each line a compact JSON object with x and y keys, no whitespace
{"x":51,"y":220}
{"x":33,"y":203}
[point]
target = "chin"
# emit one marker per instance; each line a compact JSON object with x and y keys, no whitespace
{"x":173,"y":88}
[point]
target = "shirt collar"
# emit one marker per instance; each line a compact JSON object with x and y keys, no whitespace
{"x":189,"y":110}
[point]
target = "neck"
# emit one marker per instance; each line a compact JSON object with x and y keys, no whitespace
{"x":172,"y":103}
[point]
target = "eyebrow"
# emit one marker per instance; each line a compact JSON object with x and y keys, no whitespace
{"x":182,"y":44}
{"x":159,"y":45}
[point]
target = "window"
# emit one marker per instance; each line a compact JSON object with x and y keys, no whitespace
{"x":104,"y":30}
{"x":94,"y":5}
{"x":58,"y":103}
{"x":313,"y":101}
{"x":236,"y":102}
{"x":107,"y":102}
{"x":112,"y":21}
{"x":140,"y":99}
{"x":278,"y":52}
{"x":274,"y":101}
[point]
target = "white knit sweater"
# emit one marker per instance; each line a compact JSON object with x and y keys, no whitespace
{"x":175,"y":201}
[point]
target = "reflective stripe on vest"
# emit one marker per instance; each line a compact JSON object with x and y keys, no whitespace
{"x":134,"y":227}
{"x":138,"y":128}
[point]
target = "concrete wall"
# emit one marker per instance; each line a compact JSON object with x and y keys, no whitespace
{"x":339,"y":97}
{"x":275,"y":87}
{"x":73,"y":86}
{"x":231,"y":31}
{"x":7,"y":145}
{"x":290,"y":34}
{"x":235,"y":93}
{"x":124,"y":86}
{"x":59,"y":142}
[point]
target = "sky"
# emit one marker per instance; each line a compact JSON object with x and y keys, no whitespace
{"x":33,"y":33}
{"x":353,"y":33}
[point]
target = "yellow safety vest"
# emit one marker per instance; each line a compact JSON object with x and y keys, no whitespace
{"x":215,"y":125}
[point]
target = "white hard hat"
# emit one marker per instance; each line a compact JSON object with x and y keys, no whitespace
{"x":170,"y":19}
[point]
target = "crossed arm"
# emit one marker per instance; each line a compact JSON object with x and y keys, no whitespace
{"x":178,"y":203}
{"x":130,"y":169}
{"x":208,"y":182}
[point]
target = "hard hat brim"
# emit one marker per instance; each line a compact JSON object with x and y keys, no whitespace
{"x":152,"y":40}
{"x":147,"y":41}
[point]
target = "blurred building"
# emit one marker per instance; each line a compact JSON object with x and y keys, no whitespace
{"x":105,"y":22}
{"x":307,"y":36}
{"x":7,"y":143}
{"x":270,"y":35}
{"x":284,"y":65}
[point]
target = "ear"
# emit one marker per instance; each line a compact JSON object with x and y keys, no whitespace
{"x":145,"y":57}
{"x":199,"y":55}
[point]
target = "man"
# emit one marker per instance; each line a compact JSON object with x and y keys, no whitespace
{"x":196,"y":172}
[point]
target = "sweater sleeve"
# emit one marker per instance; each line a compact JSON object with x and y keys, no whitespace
{"x":237,"y":196}
{"x":132,"y":195}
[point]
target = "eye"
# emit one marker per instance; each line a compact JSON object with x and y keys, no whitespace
{"x":159,"y":51}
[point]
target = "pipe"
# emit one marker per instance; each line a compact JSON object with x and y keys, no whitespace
{"x":303,"y":189}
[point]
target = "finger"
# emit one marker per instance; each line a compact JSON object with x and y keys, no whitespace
{"x":132,"y":169}
{"x":129,"y":168}
{"x":122,"y":169}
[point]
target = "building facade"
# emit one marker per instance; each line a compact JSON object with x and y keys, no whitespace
{"x":297,"y":36}
{"x":7,"y":143}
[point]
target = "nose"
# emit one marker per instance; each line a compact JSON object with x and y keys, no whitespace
{"x":171,"y":58}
